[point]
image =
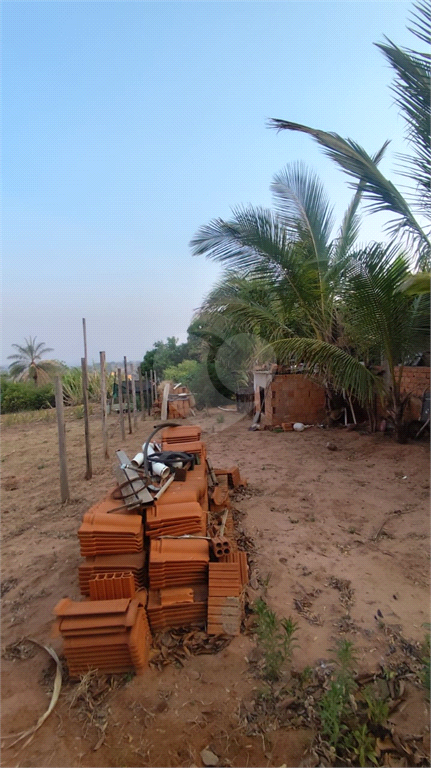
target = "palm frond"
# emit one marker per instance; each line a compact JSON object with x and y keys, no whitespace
{"x":304,"y":207}
{"x":383,"y":318}
{"x":422,"y":22}
{"x":331,"y":364}
{"x":382,"y":195}
{"x":412,"y":95}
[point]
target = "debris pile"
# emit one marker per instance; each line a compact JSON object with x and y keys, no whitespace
{"x":160,"y":554}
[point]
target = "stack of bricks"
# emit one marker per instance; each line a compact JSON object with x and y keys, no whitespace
{"x":126,"y":591}
{"x":294,"y":397}
{"x":415,"y":380}
{"x":224,"y":598}
{"x":108,"y":565}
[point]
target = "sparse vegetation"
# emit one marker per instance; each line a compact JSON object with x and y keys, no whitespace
{"x":275,"y":638}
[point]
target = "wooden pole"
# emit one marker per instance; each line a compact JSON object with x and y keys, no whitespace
{"x":89,"y":469}
{"x":84,"y":329}
{"x":141,"y":393}
{"x":120,"y":403}
{"x":153,"y":379}
{"x":135,"y":408}
{"x":129,"y":415}
{"x":103,"y":402}
{"x":147,"y":392}
{"x":64,"y":483}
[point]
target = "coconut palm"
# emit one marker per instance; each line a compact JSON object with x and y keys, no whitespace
{"x":412,"y":95}
{"x":318,"y":300}
{"x":294,"y":270}
{"x":29,"y":364}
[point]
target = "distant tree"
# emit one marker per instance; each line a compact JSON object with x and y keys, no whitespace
{"x":166,"y":354}
{"x":28,"y":363}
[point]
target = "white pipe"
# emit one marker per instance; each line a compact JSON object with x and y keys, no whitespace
{"x":157,"y":468}
{"x":138,"y":460}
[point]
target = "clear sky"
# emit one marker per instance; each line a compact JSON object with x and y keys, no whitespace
{"x":129,"y":124}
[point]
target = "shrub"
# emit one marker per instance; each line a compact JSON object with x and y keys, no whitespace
{"x":24,"y":396}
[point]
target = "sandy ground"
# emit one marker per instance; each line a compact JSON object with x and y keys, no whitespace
{"x":342,"y":546}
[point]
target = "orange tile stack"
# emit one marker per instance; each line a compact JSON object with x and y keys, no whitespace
{"x":111,"y":564}
{"x":110,"y":534}
{"x":175,"y":562}
{"x":241,"y":558}
{"x":110,"y":631}
{"x":109,"y":635}
{"x":224,"y":598}
{"x":174,"y":519}
{"x":177,"y":607}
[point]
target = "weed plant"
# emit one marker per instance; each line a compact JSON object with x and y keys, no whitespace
{"x":426,"y":663}
{"x":275,"y":637}
{"x":348,"y":720}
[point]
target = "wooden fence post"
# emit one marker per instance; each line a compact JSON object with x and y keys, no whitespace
{"x":135,"y":409}
{"x":147,"y":392}
{"x":103,"y":402}
{"x":120,"y":403}
{"x":129,"y":415}
{"x":141,"y":393}
{"x":89,"y":469}
{"x":64,"y":483}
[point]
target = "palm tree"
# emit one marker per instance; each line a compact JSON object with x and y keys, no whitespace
{"x":289,"y":274}
{"x":317,"y":300}
{"x":412,"y":95}
{"x":29,"y":364}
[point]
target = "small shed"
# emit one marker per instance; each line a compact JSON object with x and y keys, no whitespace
{"x":285,"y":395}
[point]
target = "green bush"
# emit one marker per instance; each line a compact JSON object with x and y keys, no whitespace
{"x":201,"y":379}
{"x":24,"y":396}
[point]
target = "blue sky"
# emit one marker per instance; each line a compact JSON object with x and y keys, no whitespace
{"x":128,"y":125}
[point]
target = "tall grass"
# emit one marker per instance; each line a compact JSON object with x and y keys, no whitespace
{"x":72,"y":386}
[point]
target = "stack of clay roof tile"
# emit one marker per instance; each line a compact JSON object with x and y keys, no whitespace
{"x":175,"y":519}
{"x":177,"y":607}
{"x":109,"y":635}
{"x":112,"y":564}
{"x":224,"y":598}
{"x":184,"y":435}
{"x":110,"y":534}
{"x":184,"y":439}
{"x":177,"y":562}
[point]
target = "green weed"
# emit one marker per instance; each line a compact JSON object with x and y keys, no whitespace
{"x":426,"y":663}
{"x":364,"y":747}
{"x":220,"y":418}
{"x":335,"y":704}
{"x":275,"y":637}
{"x":377,"y":709}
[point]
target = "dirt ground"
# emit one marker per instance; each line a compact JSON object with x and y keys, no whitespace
{"x":341,"y":544}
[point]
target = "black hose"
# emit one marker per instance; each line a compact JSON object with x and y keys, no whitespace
{"x":148,"y":441}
